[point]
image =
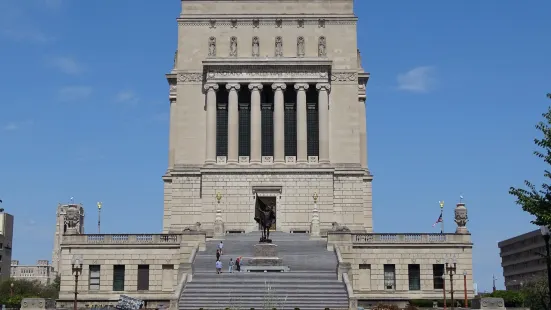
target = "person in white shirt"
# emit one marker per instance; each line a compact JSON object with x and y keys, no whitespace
{"x":220,"y":247}
{"x":218,"y":267}
{"x":230,"y":268}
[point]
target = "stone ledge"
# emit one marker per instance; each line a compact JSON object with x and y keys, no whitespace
{"x":265,"y":268}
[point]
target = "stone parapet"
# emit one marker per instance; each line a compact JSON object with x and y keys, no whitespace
{"x":392,"y":239}
{"x":124,"y":239}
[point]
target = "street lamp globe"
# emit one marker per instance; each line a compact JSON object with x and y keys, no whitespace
{"x":465,"y":273}
{"x":12,"y":285}
{"x":544,"y":230}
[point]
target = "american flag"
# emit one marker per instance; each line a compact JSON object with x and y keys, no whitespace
{"x":439,"y":220}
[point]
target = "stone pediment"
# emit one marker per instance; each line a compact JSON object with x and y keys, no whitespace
{"x":267,"y":70}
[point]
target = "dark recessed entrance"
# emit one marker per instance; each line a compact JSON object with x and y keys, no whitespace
{"x":263,"y":203}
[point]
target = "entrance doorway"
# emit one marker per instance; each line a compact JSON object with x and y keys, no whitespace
{"x":262,"y":203}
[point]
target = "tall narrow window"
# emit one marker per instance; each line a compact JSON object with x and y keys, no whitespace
{"x":244,"y":130}
{"x":222,"y":130}
{"x":267,"y":129}
{"x":94,"y":278}
{"x":143,"y":277}
{"x":118,"y":277}
{"x":437,"y":273}
{"x":414,"y":277}
{"x":312,"y":122}
{"x":290,"y":129}
{"x":390,"y":277}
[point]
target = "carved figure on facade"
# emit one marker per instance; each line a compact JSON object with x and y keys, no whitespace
{"x":461,"y":218}
{"x":322,"y":47}
{"x":338,"y":227}
{"x":256,"y":23}
{"x":72,"y":220}
{"x":212,"y":47}
{"x":279,"y":23}
{"x":196,"y":227}
{"x":190,"y":77}
{"x":233,"y":47}
{"x":279,"y":46}
{"x":256,"y":47}
{"x":300,"y":47}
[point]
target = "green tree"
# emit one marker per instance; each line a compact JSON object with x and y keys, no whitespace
{"x":538,"y":201}
{"x":12,"y":295}
{"x":536,"y":294}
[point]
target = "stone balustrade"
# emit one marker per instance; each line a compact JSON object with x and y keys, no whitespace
{"x":154,"y":239}
{"x":391,"y":238}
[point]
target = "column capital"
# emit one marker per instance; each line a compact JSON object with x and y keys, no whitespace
{"x":235,"y":86}
{"x":323,"y":86}
{"x":281,"y":86}
{"x":255,"y":86}
{"x":302,"y":86}
{"x":212,"y":86}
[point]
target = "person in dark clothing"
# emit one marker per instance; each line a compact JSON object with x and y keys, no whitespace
{"x":238,"y":264}
{"x":217,"y":255}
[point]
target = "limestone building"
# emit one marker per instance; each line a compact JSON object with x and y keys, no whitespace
{"x":6,"y":243}
{"x":267,"y":108}
{"x":42,"y":271}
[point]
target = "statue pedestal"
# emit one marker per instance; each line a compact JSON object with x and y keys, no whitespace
{"x":219,"y":232}
{"x":265,"y":259}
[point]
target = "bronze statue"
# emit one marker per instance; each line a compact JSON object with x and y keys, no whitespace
{"x":266,"y":218}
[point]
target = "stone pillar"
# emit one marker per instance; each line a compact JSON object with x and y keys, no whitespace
{"x":279,"y":122}
{"x":233,"y":123}
{"x":461,"y":219}
{"x":211,"y":90}
{"x":302,"y":132}
{"x":256,"y":123}
{"x":363,"y":134}
{"x":323,"y":110}
{"x":315,"y":223}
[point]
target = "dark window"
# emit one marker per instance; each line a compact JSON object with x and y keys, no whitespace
{"x":222,"y":130}
{"x":118,"y":278}
{"x":244,"y":130}
{"x":290,"y":129}
{"x":267,"y":130}
{"x":414,"y":277}
{"x":143,"y":277}
{"x":94,"y":278}
{"x":390,"y":277}
{"x":365,"y":266}
{"x":437,"y":273}
{"x":312,"y":122}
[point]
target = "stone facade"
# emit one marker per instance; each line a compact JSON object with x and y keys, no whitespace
{"x":226,"y":49}
{"x":42,"y":272}
{"x":6,"y":244}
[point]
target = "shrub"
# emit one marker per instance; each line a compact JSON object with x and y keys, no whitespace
{"x":385,"y":307}
{"x":297,"y":308}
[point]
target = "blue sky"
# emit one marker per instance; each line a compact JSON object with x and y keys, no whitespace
{"x":455,"y":92}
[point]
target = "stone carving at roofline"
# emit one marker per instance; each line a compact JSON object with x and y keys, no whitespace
{"x":279,"y":47}
{"x":233,"y":47}
{"x":322,"y":47}
{"x":256,"y":47}
{"x":212,"y":47}
{"x":344,"y":76}
{"x":300,"y":47}
{"x":190,"y":77}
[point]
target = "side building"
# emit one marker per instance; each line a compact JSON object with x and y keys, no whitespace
{"x":6,"y":241}
{"x":520,"y":259}
{"x":42,"y":272}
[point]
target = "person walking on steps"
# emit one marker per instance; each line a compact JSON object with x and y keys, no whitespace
{"x":220,"y":247}
{"x":230,"y":268}
{"x":217,"y":255}
{"x":218,"y":267}
{"x":238,"y":264}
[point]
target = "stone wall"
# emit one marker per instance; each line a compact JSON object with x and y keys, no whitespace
{"x":340,"y":198}
{"x":368,"y":253}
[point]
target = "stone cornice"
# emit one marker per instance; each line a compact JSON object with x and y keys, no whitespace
{"x":266,"y":21}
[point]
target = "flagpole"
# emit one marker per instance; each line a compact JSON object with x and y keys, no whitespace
{"x":442,"y":217}
{"x":99,"y":217}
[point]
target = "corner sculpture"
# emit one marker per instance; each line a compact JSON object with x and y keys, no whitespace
{"x":265,"y":217}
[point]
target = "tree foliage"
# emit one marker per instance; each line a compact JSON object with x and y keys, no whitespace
{"x":513,"y":299}
{"x":536,"y":294}
{"x":538,"y":201}
{"x":11,"y":297}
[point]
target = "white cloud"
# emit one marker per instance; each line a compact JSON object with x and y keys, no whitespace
{"x":126,"y":96}
{"x":73,"y":93}
{"x":13,"y":126}
{"x":419,"y":80}
{"x":17,"y":24}
{"x":67,"y":65}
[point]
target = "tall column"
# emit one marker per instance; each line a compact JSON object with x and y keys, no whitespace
{"x":256,"y":123}
{"x":211,"y":90}
{"x":363,"y":133}
{"x":323,"y":110}
{"x":233,"y":122}
{"x":302,"y":131}
{"x":279,"y":122}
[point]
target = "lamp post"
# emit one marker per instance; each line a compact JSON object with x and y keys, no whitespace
{"x":444,"y":289}
{"x":451,"y":270}
{"x":11,"y":289}
{"x":76,"y":268}
{"x":545,"y":233}
{"x":466,"y":304}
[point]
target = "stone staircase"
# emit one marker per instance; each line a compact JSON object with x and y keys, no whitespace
{"x":310,"y":285}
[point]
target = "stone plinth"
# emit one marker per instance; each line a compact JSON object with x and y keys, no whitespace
{"x":265,"y":254}
{"x":489,"y":303}
{"x":37,"y":303}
